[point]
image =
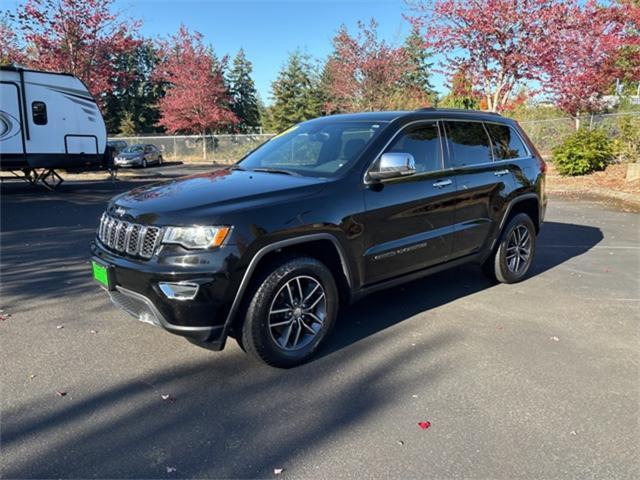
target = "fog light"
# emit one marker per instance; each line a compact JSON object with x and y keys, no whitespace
{"x":179,"y":291}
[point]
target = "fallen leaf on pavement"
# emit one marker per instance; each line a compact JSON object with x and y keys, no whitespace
{"x":399,"y":442}
{"x":171,"y":469}
{"x":424,"y":425}
{"x":168,"y":398}
{"x":61,"y":393}
{"x":278,"y":471}
{"x":60,"y":327}
{"x":94,"y":331}
{"x":32,"y":376}
{"x":555,"y":339}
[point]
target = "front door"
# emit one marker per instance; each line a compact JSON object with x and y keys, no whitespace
{"x":409,"y":220}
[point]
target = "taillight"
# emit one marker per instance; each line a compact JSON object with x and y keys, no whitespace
{"x":543,"y":164}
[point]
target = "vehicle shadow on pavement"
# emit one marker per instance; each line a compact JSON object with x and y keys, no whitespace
{"x":557,"y":243}
{"x":226,"y":418}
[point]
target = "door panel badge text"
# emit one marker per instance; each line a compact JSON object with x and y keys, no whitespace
{"x":399,"y":251}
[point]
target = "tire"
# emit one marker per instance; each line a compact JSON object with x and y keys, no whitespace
{"x":144,"y":163}
{"x":160,"y":160}
{"x":510,"y":262}
{"x":278,"y":328}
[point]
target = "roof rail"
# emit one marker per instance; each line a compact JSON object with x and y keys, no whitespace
{"x":455,"y":110}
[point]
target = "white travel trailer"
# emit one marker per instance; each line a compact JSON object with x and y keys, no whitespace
{"x":48,"y":121}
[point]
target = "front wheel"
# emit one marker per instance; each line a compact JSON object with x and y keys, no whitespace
{"x":514,"y":255}
{"x":160,"y":160}
{"x":292,"y":311}
{"x":144,"y":163}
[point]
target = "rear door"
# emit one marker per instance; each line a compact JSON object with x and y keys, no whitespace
{"x":482,"y":184}
{"x":409,"y":220}
{"x":11,"y":147}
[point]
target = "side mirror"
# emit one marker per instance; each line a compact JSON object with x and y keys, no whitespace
{"x":393,"y":165}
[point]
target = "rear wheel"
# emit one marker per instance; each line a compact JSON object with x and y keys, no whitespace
{"x":292,"y":311}
{"x":514,"y":255}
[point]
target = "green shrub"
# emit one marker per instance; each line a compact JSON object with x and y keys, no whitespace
{"x":627,"y":139}
{"x":583,"y":152}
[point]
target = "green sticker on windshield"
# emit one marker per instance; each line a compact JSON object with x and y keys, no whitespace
{"x":285,"y":132}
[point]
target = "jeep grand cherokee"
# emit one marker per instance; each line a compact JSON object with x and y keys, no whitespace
{"x":328,"y":211}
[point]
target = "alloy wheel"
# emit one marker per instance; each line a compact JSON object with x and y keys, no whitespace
{"x":518,"y":249}
{"x":297,"y":313}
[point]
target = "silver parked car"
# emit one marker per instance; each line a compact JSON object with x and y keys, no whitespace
{"x":141,"y":155}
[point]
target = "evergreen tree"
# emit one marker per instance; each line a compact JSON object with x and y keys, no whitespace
{"x":128,"y":126}
{"x":418,"y":74}
{"x":244,"y":97}
{"x":296,"y":93}
{"x":136,"y":92}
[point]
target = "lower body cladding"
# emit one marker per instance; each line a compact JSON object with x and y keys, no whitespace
{"x":189,"y":304}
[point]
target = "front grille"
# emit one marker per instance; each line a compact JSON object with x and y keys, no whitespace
{"x":130,"y":238}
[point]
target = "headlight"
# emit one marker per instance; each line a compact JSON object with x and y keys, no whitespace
{"x":196,"y":237}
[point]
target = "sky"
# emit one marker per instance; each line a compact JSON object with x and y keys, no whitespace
{"x":269,"y":30}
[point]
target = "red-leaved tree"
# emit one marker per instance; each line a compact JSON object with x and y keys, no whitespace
{"x":196,"y":99}
{"x":500,"y":44}
{"x":81,"y":37}
{"x":363,"y":72}
{"x":10,"y":51}
{"x":585,"y":64}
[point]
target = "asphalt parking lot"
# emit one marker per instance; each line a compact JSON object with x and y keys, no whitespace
{"x":534,"y":380}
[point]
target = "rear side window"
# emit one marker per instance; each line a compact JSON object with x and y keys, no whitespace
{"x":423,"y":142}
{"x":506,"y":142}
{"x":468,"y":143}
{"x":39,"y":113}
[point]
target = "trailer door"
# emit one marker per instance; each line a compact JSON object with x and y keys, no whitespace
{"x":11,"y":146}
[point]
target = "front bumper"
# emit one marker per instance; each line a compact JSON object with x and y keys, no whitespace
{"x":134,"y":162}
{"x":136,"y":290}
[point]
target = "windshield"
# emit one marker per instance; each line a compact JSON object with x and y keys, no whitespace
{"x":318,"y":150}
{"x":134,"y":149}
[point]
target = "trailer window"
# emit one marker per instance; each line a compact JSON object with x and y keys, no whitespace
{"x":39,"y":111}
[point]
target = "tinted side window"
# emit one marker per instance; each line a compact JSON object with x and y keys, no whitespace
{"x":506,"y":143}
{"x":468,"y":143}
{"x":39,"y":113}
{"x":423,"y":142}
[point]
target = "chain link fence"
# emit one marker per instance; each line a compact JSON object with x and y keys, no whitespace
{"x":225,"y":149}
{"x":547,"y":134}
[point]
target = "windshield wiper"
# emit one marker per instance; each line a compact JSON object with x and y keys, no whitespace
{"x":276,"y":170}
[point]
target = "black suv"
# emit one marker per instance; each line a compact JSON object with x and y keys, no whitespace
{"x":328,"y":211}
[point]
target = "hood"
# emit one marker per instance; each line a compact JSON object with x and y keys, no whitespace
{"x":179,"y":201}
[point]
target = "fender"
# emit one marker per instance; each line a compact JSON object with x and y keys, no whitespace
{"x":510,"y":205}
{"x":246,"y":278}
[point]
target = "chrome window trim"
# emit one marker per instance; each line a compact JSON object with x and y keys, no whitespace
{"x":442,"y":134}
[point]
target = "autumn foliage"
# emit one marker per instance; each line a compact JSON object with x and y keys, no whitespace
{"x":584,"y":65}
{"x":82,"y":37}
{"x":567,"y":48}
{"x":196,"y":99}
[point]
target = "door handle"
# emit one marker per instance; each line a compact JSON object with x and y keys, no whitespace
{"x":442,"y":183}
{"x":500,"y":173}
